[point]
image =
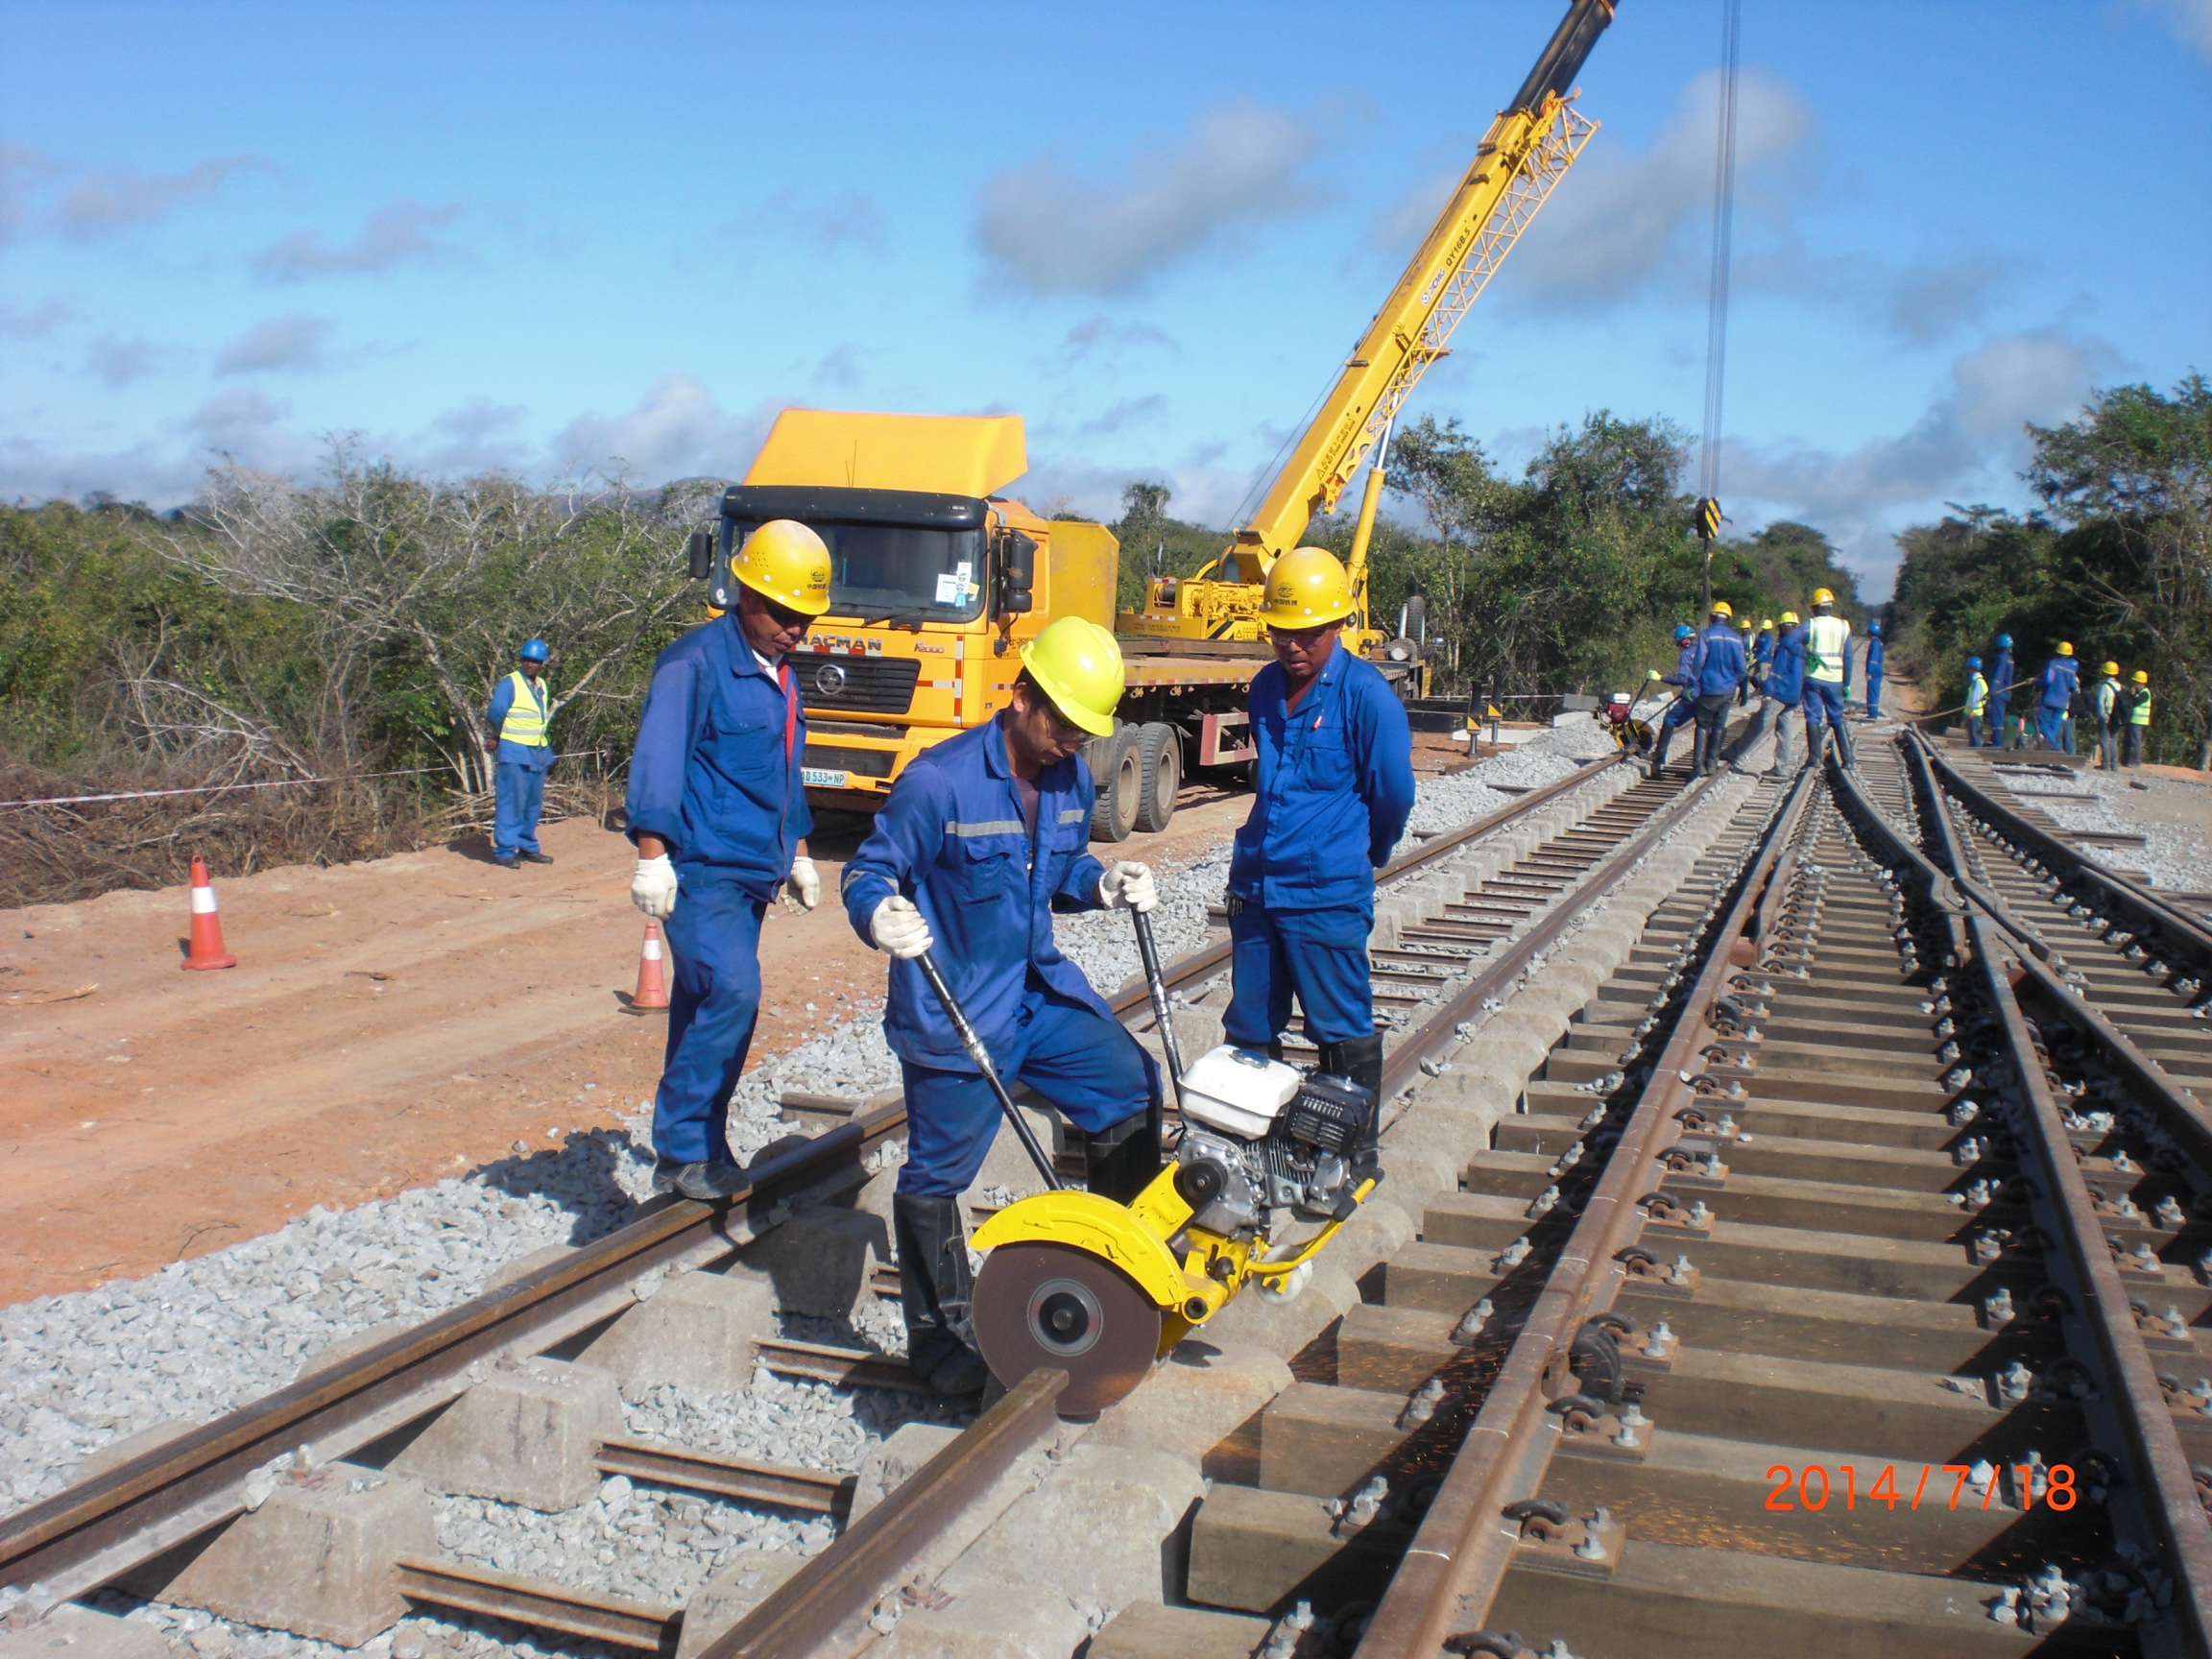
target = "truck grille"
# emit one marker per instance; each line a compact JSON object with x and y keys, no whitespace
{"x":860,"y":762}
{"x":860,"y":684}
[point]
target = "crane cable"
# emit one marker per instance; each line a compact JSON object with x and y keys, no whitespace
{"x":1717,"y":303}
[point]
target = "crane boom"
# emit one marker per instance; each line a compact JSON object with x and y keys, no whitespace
{"x":1526,"y":151}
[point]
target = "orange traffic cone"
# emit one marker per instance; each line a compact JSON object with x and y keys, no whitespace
{"x":652,"y":979}
{"x":206,"y":925}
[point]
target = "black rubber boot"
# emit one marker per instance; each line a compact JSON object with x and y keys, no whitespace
{"x":1845,"y":748}
{"x":1120,"y":1162}
{"x":1816,"y":745}
{"x":1360,"y":1061}
{"x":935,"y":1287}
{"x":1659,"y":751}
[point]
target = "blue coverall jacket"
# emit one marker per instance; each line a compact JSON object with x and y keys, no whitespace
{"x":952,"y":839}
{"x":713,"y":774}
{"x":1785,"y":674}
{"x":538,"y":756}
{"x":2058,"y":681}
{"x":1874,"y":655}
{"x":1335,"y":787}
{"x":1762,"y":651}
{"x":1718,"y":666}
{"x":2001,"y":684}
{"x":1685,"y":667}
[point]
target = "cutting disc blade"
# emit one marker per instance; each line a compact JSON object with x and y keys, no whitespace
{"x":1050,"y":1305}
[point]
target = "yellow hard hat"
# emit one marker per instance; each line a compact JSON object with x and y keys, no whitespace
{"x":2142,"y":677}
{"x":1821,"y":597}
{"x":1307,"y":588}
{"x":1721,"y":607}
{"x":2065,"y":648}
{"x":1766,"y":622}
{"x":1076,"y":664}
{"x":2111,"y":667}
{"x":787,"y":561}
{"x":1790,"y":618}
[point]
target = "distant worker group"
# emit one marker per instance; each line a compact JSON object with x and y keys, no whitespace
{"x":1802,"y":669}
{"x":2120,"y":707}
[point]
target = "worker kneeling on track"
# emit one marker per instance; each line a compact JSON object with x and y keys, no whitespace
{"x":1334,"y":786}
{"x":980,"y":841}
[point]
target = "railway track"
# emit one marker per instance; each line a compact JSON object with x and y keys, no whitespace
{"x":1841,"y":1283}
{"x":1460,"y":918}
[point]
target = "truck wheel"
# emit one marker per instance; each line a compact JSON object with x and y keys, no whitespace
{"x":1121,"y":781}
{"x":1159,"y":759}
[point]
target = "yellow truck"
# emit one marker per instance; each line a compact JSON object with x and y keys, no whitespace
{"x":937,"y":577}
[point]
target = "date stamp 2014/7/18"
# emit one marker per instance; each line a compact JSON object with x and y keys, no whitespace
{"x":1795,"y":1488}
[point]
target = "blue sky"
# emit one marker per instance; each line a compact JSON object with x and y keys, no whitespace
{"x":541,"y":237}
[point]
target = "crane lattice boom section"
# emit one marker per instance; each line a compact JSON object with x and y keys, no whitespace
{"x":1526,"y":154}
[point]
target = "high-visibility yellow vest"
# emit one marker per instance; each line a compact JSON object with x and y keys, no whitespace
{"x":1826,"y":640}
{"x":2140,"y":714}
{"x":1977,"y":694}
{"x":525,"y":721}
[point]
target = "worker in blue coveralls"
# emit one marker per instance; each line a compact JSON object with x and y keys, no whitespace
{"x":2003,"y":734}
{"x":1334,"y":786}
{"x":1717,"y":672}
{"x":980,"y":841}
{"x":1874,"y":670}
{"x":1684,"y":708}
{"x":720,"y":824}
{"x":520,"y":717}
{"x":1762,"y":654}
{"x":2056,"y":688}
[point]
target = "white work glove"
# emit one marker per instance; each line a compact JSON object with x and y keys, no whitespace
{"x":652,"y":888}
{"x":1129,"y":884}
{"x":898,"y":927}
{"x":803,"y":888}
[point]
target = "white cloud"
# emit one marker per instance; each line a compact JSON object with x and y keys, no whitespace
{"x":236,"y":419}
{"x":851,"y":220}
{"x":1043,"y":228}
{"x":676,"y":431}
{"x":293,"y":341}
{"x":119,"y":362}
{"x":102,"y":203}
{"x":1128,"y":412}
{"x":1626,"y":224}
{"x":1107,"y":341}
{"x":393,"y":234}
{"x":2190,"y":19}
{"x":35,"y":323}
{"x":1968,"y":443}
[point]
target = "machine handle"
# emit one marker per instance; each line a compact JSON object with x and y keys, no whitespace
{"x":981,"y":1056}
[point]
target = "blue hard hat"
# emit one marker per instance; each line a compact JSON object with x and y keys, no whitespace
{"x":2003,"y":641}
{"x":1681,"y":631}
{"x":1973,"y":662}
{"x":1873,"y":627}
{"x":536,"y":651}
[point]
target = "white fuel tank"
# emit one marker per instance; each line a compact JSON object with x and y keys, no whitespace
{"x":1237,"y":1092}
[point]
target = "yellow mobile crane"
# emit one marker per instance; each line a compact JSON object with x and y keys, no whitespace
{"x":1524,"y":156}
{"x":937,"y":577}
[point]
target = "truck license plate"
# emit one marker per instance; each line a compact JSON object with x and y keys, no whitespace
{"x":821,"y":778}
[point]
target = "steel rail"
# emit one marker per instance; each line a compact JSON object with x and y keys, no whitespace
{"x":1933,"y":808}
{"x":2145,"y":908}
{"x":94,"y":1532}
{"x":615,"y":1620}
{"x":870,"y":1557}
{"x":1439,"y":1033}
{"x":816,"y":1491}
{"x":2166,"y":1501}
{"x":1461,"y":1552}
{"x":2136,"y":1408}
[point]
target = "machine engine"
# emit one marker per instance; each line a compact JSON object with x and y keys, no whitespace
{"x":1262,"y":1136}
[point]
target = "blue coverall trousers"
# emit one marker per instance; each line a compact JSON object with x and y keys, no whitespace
{"x":2055,"y":726}
{"x":1873,"y":696}
{"x":521,"y":795}
{"x":1975,"y":739}
{"x":714,"y":935}
{"x":1319,"y":957}
{"x":1823,"y":704}
{"x":1086,"y":1065}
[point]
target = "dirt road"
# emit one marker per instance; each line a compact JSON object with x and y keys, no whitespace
{"x":389,"y":1022}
